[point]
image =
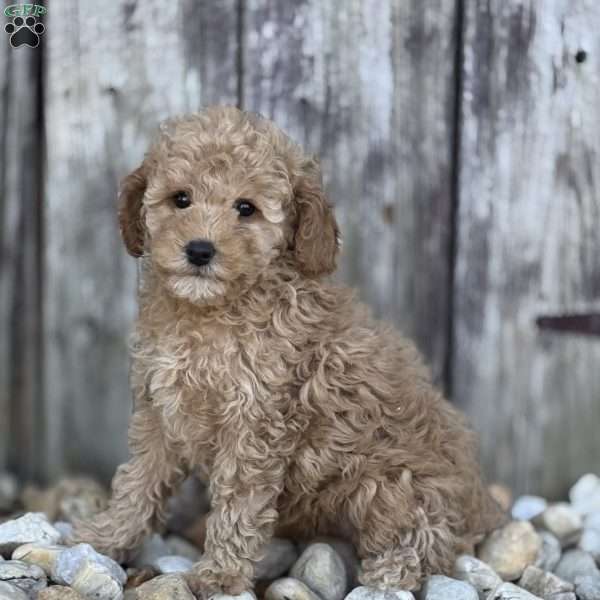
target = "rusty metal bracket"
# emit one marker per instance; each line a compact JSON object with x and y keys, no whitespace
{"x":582,"y":324}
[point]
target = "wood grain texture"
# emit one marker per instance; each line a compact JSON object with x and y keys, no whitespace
{"x":20,"y":271}
{"x":369,"y":88}
{"x":114,"y":71}
{"x":528,"y":244}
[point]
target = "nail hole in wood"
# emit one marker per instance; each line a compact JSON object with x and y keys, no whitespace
{"x":580,"y":56}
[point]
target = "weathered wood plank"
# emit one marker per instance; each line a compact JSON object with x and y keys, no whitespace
{"x":20,"y":270}
{"x":529,"y":217}
{"x":369,"y":88}
{"x":114,"y":70}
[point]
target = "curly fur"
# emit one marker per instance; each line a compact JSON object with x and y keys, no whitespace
{"x":305,"y":415}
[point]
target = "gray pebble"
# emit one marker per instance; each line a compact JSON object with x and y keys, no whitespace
{"x":289,"y":588}
{"x":575,"y":563}
{"x":510,"y":591}
{"x":92,"y":581}
{"x":41,"y":555}
{"x":10,"y":592}
{"x":526,"y":508}
{"x":587,"y":587}
{"x":347,"y":553}
{"x":30,"y":528}
{"x":172,"y":564}
{"x":367,"y":593}
{"x":321,"y":568}
{"x":562,"y":521}
{"x":480,"y":575}
{"x":544,"y":584}
{"x":278,"y":558}
{"x":550,"y":552}
{"x":30,"y":578}
{"x":440,"y":587}
{"x":242,"y":596}
{"x":72,"y":560}
{"x":590,"y":542}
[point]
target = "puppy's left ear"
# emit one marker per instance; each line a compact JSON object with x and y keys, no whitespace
{"x":131,"y":195}
{"x":317,"y":238}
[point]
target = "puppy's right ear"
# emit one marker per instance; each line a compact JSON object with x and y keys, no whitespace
{"x":131,"y":195}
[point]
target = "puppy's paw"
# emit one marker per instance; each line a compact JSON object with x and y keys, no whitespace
{"x":207,"y":579}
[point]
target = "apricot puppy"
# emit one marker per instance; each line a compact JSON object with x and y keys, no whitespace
{"x":304,"y":415}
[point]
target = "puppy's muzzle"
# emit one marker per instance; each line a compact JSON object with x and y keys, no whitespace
{"x":200,"y":252}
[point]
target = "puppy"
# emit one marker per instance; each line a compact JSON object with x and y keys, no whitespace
{"x":304,"y":414}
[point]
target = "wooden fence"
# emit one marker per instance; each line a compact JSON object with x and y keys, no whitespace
{"x":460,"y":141}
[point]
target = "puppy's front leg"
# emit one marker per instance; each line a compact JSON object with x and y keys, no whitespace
{"x":140,"y":489}
{"x":246,"y":481}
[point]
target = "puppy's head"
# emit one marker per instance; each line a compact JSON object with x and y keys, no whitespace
{"x":220,"y":196}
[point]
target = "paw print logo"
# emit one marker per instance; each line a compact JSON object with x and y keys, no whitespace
{"x":24,"y":31}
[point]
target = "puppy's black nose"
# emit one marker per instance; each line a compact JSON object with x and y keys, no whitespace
{"x":200,"y":252}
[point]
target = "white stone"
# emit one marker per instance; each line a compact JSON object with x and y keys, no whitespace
{"x":585,"y":494}
{"x":29,"y":578}
{"x":592,"y":520}
{"x":480,"y":575}
{"x":575,"y":563}
{"x":42,"y":555}
{"x":172,"y":564}
{"x":563,"y":521}
{"x":94,"y":582}
{"x":165,"y":587}
{"x":242,"y":596}
{"x":321,"y":568}
{"x":440,"y":587}
{"x":71,"y":560}
{"x":590,"y":542}
{"x":587,"y":587}
{"x":550,"y":552}
{"x":289,"y":588}
{"x":30,"y":528}
{"x":544,"y":584}
{"x":510,"y":591}
{"x":526,"y":508}
{"x":510,"y":549}
{"x":367,"y":593}
{"x":10,"y":592}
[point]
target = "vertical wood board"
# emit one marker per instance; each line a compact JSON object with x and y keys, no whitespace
{"x":528,"y":244}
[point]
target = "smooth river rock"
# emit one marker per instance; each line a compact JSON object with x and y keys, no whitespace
{"x":511,"y":549}
{"x":562,"y":521}
{"x":322,"y":569}
{"x":480,"y":575}
{"x":30,"y":528}
{"x":440,"y":587}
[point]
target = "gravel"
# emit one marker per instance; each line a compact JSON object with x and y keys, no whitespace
{"x":549,"y":551}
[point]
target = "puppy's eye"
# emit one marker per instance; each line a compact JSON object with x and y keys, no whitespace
{"x":245,"y":207}
{"x":181,"y":199}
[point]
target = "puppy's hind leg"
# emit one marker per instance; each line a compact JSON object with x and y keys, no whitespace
{"x":397,"y":542}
